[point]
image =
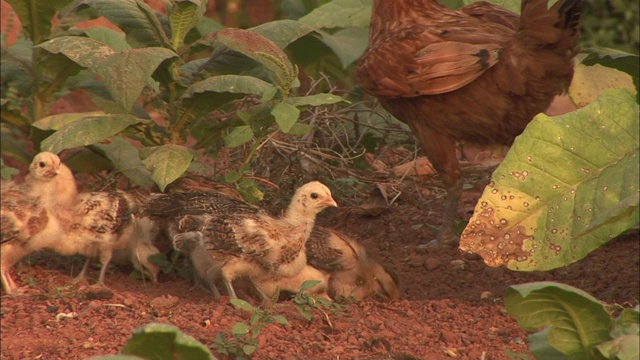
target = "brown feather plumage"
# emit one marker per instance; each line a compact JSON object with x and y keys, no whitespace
{"x":478,"y":74}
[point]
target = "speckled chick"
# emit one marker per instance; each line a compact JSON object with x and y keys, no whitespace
{"x":246,"y":240}
{"x":351,"y":272}
{"x":28,"y":209}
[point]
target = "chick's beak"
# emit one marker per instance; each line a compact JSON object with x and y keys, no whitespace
{"x":331,"y":202}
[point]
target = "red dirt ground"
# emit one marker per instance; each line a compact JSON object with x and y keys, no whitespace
{"x":451,"y":304}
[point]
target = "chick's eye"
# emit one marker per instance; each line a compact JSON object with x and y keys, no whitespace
{"x":42,"y":164}
{"x":314,"y":195}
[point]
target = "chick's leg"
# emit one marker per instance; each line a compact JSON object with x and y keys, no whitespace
{"x":82,"y":276}
{"x":226,"y":279}
{"x":105,"y":259}
{"x":441,"y":152}
{"x":10,"y":255}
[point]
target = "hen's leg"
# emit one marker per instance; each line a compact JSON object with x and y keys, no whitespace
{"x":441,"y":151}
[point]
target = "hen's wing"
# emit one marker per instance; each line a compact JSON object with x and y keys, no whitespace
{"x":103,"y":214}
{"x":432,"y":56}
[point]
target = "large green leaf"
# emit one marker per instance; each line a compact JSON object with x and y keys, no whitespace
{"x":126,"y":159}
{"x":238,"y":136}
{"x":83,"y":51}
{"x":36,"y":16}
{"x":86,"y":131}
{"x":282,"y":32}
{"x":568,"y":185}
{"x":590,"y":81}
{"x":286,"y":115}
{"x":57,"y":122}
{"x":236,"y":84}
{"x":339,"y":14}
{"x":166,"y":162}
{"x":575,"y":321}
{"x":315,"y":100}
{"x":135,"y":18}
{"x":126,"y":73}
{"x":165,"y":342}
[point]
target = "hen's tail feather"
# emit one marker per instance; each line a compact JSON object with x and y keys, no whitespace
{"x":555,"y":28}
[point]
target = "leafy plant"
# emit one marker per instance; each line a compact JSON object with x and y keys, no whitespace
{"x":156,"y":68}
{"x":306,"y":303}
{"x":243,"y":340}
{"x":574,"y":324}
{"x":160,"y":342}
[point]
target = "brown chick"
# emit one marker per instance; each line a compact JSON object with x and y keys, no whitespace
{"x":248,"y":242}
{"x":351,"y":272}
{"x":140,"y":247}
{"x":477,"y":74}
{"x":27,"y":212}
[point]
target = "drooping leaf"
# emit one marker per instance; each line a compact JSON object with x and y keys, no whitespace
{"x":239,"y":329}
{"x":242,"y":304}
{"x":36,"y":16}
{"x":575,"y":321}
{"x":348,"y":44}
{"x":339,"y":14}
{"x":86,"y":131}
{"x":126,"y":159}
{"x":135,"y":18}
{"x":236,"y":84}
{"x":83,"y":51}
{"x":116,"y":40}
{"x":615,"y":59}
{"x":165,"y":342}
{"x":568,"y":185}
{"x":56,"y":122}
{"x":309,"y":284}
{"x":166,"y":162}
{"x":622,"y":348}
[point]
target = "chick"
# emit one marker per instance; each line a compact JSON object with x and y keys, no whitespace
{"x":244,"y":240}
{"x":102,"y":222}
{"x":269,"y":286}
{"x":140,"y":233}
{"x":28,"y":209}
{"x":351,"y":272}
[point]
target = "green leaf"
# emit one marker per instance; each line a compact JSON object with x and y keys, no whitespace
{"x":57,"y":122}
{"x":249,"y":191}
{"x":315,"y":100}
{"x":185,"y":14}
{"x":241,"y":304}
{"x":235,"y":84}
{"x":36,"y":16}
{"x":249,"y":349}
{"x":117,"y":357}
{"x":126,"y":159}
{"x":540,"y":347}
{"x":165,"y":342}
{"x":627,"y":323}
{"x":86,"y":131}
{"x":339,"y":14}
{"x":280,"y":319}
{"x":576,"y":321}
{"x":114,"y":39}
{"x":348,"y":44}
{"x":616,"y":59}
{"x":135,"y":18}
{"x":166,"y":162}
{"x":568,"y":185}
{"x":7,"y":172}
{"x":125,"y":73}
{"x":623,"y":348}
{"x":262,"y":50}
{"x":83,"y":51}
{"x":282,"y":32}
{"x":238,"y":136}
{"x":286,"y":116}
{"x":309,"y":284}
{"x":240,"y":329}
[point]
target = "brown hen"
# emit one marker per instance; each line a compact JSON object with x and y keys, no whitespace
{"x":477,"y":74}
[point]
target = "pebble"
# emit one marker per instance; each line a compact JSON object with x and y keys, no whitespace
{"x":432,"y":264}
{"x":458,"y":264}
